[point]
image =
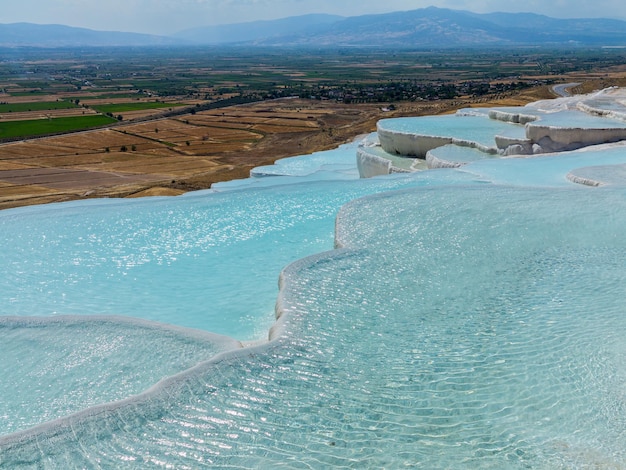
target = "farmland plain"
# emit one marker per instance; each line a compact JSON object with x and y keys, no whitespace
{"x":165,"y":121}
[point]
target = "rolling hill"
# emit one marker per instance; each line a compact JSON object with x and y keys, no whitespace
{"x":52,"y":35}
{"x":426,"y":27}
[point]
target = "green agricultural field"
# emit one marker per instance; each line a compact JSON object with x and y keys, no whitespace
{"x":12,"y":129}
{"x":35,"y":106}
{"x":138,"y":106}
{"x":105,"y":95}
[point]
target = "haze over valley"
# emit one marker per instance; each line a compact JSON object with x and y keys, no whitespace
{"x":420,"y":28}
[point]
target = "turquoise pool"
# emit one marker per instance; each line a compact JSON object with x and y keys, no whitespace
{"x":468,"y":318}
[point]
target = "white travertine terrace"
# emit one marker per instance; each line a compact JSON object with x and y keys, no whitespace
{"x":598,"y":175}
{"x":370,"y":165}
{"x":413,"y":145}
{"x":373,"y":160}
{"x":560,"y":139}
{"x":436,"y":162}
{"x":549,"y":126}
{"x":517,"y":118}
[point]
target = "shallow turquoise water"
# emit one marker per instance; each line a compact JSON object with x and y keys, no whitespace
{"x":472,"y":128}
{"x":469,"y":319}
{"x":456,"y":154}
{"x":207,"y":260}
{"x":58,"y":366}
{"x":579,"y":120}
{"x":546,"y":170}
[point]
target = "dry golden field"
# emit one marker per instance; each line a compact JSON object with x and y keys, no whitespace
{"x":171,"y":156}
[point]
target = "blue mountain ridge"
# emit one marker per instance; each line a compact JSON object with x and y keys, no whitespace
{"x":426,"y":27}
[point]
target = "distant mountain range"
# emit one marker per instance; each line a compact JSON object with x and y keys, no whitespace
{"x":427,"y":27}
{"x":278,"y":30}
{"x":54,"y":35}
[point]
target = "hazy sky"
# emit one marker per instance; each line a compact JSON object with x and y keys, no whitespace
{"x":169,"y":16}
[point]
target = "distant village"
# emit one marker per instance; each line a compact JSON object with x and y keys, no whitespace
{"x":398,"y":91}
